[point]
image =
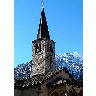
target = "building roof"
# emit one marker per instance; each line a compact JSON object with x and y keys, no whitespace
{"x":41,"y":78}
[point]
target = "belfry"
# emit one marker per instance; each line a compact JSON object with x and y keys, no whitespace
{"x":43,"y":49}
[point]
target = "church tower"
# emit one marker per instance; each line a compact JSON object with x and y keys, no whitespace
{"x":43,"y":49}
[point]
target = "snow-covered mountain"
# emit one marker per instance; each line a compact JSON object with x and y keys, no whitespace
{"x":22,"y":70}
{"x":72,"y":61}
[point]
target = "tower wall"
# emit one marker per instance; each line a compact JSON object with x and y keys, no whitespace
{"x":43,"y":56}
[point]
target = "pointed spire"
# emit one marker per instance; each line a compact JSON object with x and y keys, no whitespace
{"x":43,"y":28}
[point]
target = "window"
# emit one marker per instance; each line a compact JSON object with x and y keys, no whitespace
{"x":37,"y":48}
{"x":51,"y":49}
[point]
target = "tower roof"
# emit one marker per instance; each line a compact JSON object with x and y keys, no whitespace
{"x":43,"y":27}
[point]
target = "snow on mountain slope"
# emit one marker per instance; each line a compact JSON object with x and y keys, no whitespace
{"x":72,"y":61}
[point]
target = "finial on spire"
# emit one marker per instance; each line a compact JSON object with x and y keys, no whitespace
{"x":42,"y":4}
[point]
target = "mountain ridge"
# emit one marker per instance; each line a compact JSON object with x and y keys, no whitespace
{"x":73,"y":62}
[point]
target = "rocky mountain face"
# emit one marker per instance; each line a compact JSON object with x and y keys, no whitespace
{"x":72,"y":61}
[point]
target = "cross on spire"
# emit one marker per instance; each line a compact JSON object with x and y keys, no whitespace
{"x":42,"y":4}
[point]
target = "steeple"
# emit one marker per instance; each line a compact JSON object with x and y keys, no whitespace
{"x":43,"y":49}
{"x":43,"y":28}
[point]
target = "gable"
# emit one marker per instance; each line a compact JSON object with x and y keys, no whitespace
{"x":63,"y":73}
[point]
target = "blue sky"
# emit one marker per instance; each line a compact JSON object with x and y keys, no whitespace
{"x":65,"y":25}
